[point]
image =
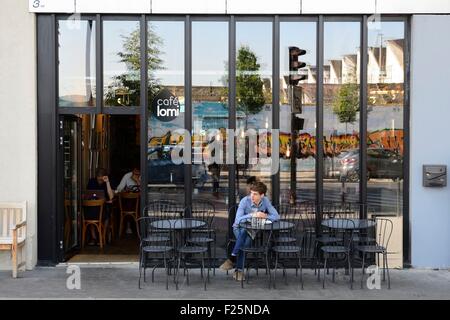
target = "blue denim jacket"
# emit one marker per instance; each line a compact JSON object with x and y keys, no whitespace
{"x":245,"y":209}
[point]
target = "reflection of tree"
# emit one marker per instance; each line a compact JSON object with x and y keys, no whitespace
{"x":249,"y":89}
{"x":125,"y":88}
{"x":249,"y":85}
{"x":346,"y":103}
{"x":346,"y":107}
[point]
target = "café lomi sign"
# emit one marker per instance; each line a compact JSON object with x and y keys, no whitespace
{"x":165,"y":106}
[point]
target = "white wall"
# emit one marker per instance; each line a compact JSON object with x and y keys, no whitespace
{"x":430,"y":124}
{"x":244,"y":6}
{"x":18,"y":155}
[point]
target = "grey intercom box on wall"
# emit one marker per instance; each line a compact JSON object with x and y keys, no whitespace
{"x":434,"y":175}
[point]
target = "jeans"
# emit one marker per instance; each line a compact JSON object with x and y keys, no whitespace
{"x":243,"y":240}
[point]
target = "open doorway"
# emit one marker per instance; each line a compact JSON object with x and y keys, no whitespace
{"x":100,"y":157}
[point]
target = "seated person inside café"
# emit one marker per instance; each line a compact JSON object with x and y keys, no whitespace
{"x":131,"y":181}
{"x":254,"y":205}
{"x":100,"y":182}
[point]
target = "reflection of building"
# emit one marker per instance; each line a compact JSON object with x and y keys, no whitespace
{"x":335,"y":75}
{"x":350,"y":68}
{"x":344,"y":70}
{"x":376,"y":64}
{"x":385,"y":64}
{"x":394,"y":61}
{"x":312,"y":71}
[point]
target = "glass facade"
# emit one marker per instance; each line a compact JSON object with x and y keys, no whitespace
{"x":253,"y":102}
{"x":165,"y":177}
{"x":210,"y":113}
{"x":341,"y":111}
{"x":385,"y":129}
{"x":121,"y":63}
{"x":76,"y":63}
{"x":208,"y":76}
{"x":298,"y":166}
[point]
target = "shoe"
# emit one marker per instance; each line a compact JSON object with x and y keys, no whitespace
{"x":227,"y":265}
{"x":238,"y":276}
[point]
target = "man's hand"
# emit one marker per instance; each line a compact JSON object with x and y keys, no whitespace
{"x":261,"y":215}
{"x":106,"y":179}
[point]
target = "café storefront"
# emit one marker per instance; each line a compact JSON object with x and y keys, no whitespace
{"x":203,"y":81}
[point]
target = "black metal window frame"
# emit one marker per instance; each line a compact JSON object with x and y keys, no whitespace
{"x":49,"y":111}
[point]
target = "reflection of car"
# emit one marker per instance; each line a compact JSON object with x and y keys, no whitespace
{"x":162,"y":170}
{"x":381,"y":163}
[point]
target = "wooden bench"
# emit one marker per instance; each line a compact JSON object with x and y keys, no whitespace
{"x":13,"y":231}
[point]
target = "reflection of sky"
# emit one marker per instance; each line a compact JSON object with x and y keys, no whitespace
{"x":389,"y":31}
{"x":209,"y":52}
{"x":72,"y":58}
{"x":172,"y":51}
{"x":258,"y":36}
{"x":297,"y":34}
{"x":340,"y":38}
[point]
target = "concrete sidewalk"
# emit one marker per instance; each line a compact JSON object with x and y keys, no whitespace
{"x":121,"y":282}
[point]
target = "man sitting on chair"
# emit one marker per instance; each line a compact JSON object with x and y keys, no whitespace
{"x":253,"y":205}
{"x":100,"y":182}
{"x":131,"y":181}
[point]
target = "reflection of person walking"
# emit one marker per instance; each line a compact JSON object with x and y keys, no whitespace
{"x":215,"y":173}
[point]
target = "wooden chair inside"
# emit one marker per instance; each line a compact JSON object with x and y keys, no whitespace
{"x":96,"y":223}
{"x":129,"y":207}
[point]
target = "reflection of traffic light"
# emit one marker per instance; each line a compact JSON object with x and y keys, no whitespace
{"x":297,"y":123}
{"x":297,"y":99}
{"x":295,"y":65}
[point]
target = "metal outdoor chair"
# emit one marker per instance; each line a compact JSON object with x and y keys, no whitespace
{"x":342,"y":210}
{"x":343,"y":232}
{"x":289,"y":252}
{"x":384,"y":228}
{"x":307,"y":215}
{"x":167,"y":209}
{"x":204,"y":210}
{"x":350,"y":210}
{"x":186,"y":252}
{"x":230,"y":241}
{"x":155,"y":248}
{"x":287,"y":213}
{"x":259,"y":247}
{"x":325,"y":236}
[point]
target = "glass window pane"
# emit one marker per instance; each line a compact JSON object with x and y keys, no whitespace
{"x":385,"y":118}
{"x":76,"y":68}
{"x":341,"y":111}
{"x":253,"y":102}
{"x":297,"y":165}
{"x":121,"y":63}
{"x":166,"y":114}
{"x":210,"y":113}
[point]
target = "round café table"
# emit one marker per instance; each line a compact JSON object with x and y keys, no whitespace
{"x":357,"y":224}
{"x":178,"y":224}
{"x":273,"y":226}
